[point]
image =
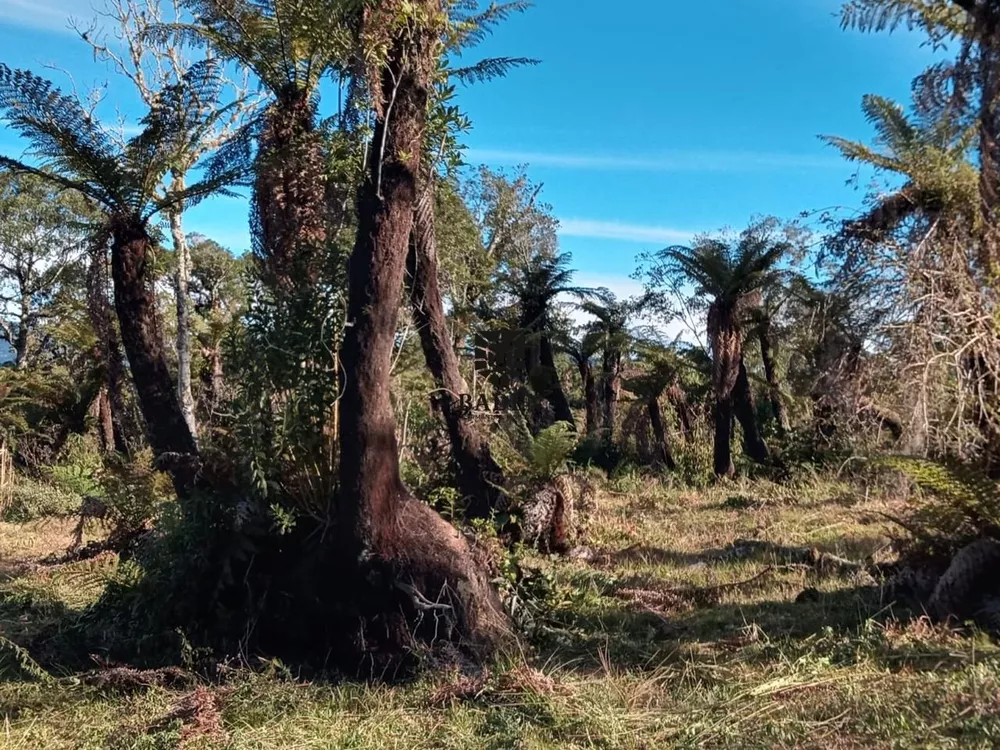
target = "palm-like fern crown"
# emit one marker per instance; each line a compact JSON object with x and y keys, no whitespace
{"x":469,"y":25}
{"x":931,"y":150}
{"x":612,"y":317}
{"x":288,"y":44}
{"x":75,"y":151}
{"x":537,"y":283}
{"x":661,"y":368}
{"x":728,"y":271}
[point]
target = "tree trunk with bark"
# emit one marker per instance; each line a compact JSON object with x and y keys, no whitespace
{"x":590,"y":399}
{"x":664,"y":454}
{"x":480,"y":478}
{"x":142,"y":335}
{"x":723,"y":446}
{"x":22,"y":339}
{"x":105,"y":422}
{"x":743,"y":406}
{"x":555,"y":394}
{"x":612,"y":378}
{"x":416,"y":575}
{"x":108,"y":351}
{"x":771,"y":375}
{"x":213,"y":379}
{"x":290,"y":195}
{"x":183,"y":300}
{"x":677,"y":399}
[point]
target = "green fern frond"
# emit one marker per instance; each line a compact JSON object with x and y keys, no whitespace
{"x":490,"y":69}
{"x":469,"y":26}
{"x":941,"y":19}
{"x":551,"y":449}
{"x":962,"y":504}
{"x":16,"y":663}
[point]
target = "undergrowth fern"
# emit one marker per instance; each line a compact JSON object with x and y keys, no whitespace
{"x":959,"y":504}
{"x":551,"y":448}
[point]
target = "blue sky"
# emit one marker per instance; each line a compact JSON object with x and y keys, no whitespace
{"x":647,"y":120}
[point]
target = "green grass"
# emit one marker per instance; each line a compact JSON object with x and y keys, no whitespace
{"x":672,"y":635}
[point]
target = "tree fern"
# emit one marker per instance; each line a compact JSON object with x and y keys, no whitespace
{"x":76,"y":152}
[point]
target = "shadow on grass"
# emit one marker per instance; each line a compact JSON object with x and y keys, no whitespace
{"x":742,"y":550}
{"x":844,"y":626}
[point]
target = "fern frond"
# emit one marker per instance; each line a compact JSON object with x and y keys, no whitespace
{"x":551,"y":448}
{"x":963,"y":503}
{"x":490,"y":69}
{"x":61,"y":134}
{"x":469,"y":27}
{"x":859,"y":152}
{"x":941,"y":19}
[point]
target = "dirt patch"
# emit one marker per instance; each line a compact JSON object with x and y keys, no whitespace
{"x":200,"y":716}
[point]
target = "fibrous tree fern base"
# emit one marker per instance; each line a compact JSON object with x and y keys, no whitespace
{"x":382,"y":528}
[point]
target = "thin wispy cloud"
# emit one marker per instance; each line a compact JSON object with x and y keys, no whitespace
{"x":613,"y":230}
{"x":48,"y":15}
{"x":670,"y":161}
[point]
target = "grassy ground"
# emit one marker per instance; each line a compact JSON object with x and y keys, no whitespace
{"x":677,"y":632}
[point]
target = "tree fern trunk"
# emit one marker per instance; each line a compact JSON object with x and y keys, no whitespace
{"x":722,"y":453}
{"x":290,"y":195}
{"x":680,"y":403}
{"x":590,"y":399}
{"x":660,"y":433}
{"x":612,"y":391}
{"x":771,"y":374}
{"x":480,"y":477}
{"x":555,"y":393}
{"x":403,"y":553}
{"x":743,"y":406}
{"x":108,"y":352}
{"x":142,"y":335}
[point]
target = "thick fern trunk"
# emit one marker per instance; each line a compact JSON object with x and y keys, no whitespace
{"x":612,"y":391}
{"x":722,"y":453}
{"x":743,"y":405}
{"x":664,"y":453}
{"x":555,"y":394}
{"x":590,"y":398}
{"x":409,"y":562}
{"x":142,"y":335}
{"x":677,"y":399}
{"x":290,"y":195}
{"x":108,"y":352}
{"x":105,"y":422}
{"x":480,"y":477}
